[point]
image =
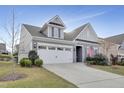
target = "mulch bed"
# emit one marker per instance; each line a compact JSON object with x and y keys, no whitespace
{"x":13,"y":77}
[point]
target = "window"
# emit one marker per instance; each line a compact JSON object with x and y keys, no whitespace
{"x":95,"y":51}
{"x":90,"y":51}
{"x":67,"y":49}
{"x":51,"y":48}
{"x":42,"y":47}
{"x":52,"y":31}
{"x":59,"y":32}
{"x":59,"y":48}
{"x":34,"y":45}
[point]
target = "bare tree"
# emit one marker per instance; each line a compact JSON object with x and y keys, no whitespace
{"x":12,"y":31}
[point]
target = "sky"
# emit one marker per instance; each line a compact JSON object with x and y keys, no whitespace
{"x":106,"y":20}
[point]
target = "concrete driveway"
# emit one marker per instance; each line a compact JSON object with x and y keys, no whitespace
{"x":86,"y":77}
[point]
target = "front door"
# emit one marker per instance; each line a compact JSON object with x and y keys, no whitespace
{"x":79,"y":53}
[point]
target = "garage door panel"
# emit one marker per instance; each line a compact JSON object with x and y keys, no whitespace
{"x":55,"y":56}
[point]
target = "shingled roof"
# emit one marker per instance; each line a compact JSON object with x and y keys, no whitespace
{"x":36,"y":31}
{"x":72,"y":35}
{"x":118,"y":39}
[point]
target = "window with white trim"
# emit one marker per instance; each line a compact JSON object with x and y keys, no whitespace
{"x":34,"y":45}
{"x":67,"y":49}
{"x":42,"y":47}
{"x":52,"y":31}
{"x":51,"y":48}
{"x":60,"y":48}
{"x":59,"y":32}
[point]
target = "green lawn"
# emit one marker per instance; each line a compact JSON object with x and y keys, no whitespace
{"x":36,"y":78}
{"x":113,"y":69}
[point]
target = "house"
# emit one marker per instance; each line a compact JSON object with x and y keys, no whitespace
{"x":53,"y":45}
{"x":118,"y":44}
{"x":17,"y":48}
{"x":3,"y":48}
{"x":107,"y":48}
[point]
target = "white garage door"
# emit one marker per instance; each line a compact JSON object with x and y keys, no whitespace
{"x":55,"y":54}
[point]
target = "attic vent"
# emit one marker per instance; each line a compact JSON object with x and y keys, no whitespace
{"x":56,"y":24}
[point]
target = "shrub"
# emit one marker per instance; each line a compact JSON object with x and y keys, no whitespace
{"x":103,"y":63}
{"x":32,"y":55}
{"x":120,"y":63}
{"x":15,"y":54}
{"x":100,"y":59}
{"x":5,"y":57}
{"x":122,"y":59}
{"x":38,"y":62}
{"x":89,"y":58}
{"x":25,"y":62}
{"x":22,"y":62}
{"x":28,"y":63}
{"x":90,"y":62}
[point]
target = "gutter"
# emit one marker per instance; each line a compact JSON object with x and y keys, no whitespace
{"x":52,"y":40}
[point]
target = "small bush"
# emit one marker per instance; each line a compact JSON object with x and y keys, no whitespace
{"x":32,"y":55}
{"x":5,"y":57}
{"x":100,"y":59}
{"x":38,"y":62}
{"x":15,"y":54}
{"x":22,"y":62}
{"x":28,"y":63}
{"x":121,"y":63}
{"x":25,"y":62}
{"x":122,"y":59}
{"x":103,"y":63}
{"x":90,"y":62}
{"x":89,"y":58}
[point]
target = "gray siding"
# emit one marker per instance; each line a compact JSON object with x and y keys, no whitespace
{"x":46,"y":31}
{"x":88,"y":34}
{"x":25,"y":43}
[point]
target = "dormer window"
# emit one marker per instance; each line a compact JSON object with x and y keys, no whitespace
{"x":54,"y":28}
{"x":59,"y":33}
{"x":55,"y":32}
{"x":52,"y":31}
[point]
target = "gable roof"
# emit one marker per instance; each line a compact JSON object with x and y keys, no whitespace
{"x":34,"y":30}
{"x":72,"y":35}
{"x":56,"y":20}
{"x":118,"y":39}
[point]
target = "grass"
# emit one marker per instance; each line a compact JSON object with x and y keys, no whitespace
{"x":36,"y":78}
{"x":113,"y":69}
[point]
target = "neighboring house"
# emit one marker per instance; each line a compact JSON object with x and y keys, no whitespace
{"x":119,"y":40}
{"x":107,"y":48}
{"x":53,"y":45}
{"x":3,"y":48}
{"x":116,"y":45}
{"x":17,"y":48}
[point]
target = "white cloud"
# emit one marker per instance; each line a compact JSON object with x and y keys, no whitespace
{"x":93,"y":15}
{"x":86,"y":17}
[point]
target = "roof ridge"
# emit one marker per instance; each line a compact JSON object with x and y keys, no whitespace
{"x":76,"y":31}
{"x":79,"y":27}
{"x":114,"y":36}
{"x":30,"y":25}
